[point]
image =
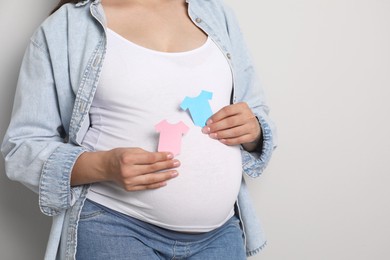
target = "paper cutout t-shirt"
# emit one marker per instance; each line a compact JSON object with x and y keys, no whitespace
{"x":199,"y":107}
{"x":170,"y":136}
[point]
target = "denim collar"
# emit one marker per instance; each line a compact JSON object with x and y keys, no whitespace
{"x":82,"y":3}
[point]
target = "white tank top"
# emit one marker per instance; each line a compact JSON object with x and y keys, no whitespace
{"x":138,"y":97}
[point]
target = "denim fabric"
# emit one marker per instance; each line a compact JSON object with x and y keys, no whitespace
{"x":107,"y":234}
{"x":57,"y":82}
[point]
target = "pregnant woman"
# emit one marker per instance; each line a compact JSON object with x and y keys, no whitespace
{"x":135,"y":121}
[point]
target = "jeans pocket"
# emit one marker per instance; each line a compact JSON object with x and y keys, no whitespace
{"x":90,"y":210}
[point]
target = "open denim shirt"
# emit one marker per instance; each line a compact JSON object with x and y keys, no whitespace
{"x":56,"y":86}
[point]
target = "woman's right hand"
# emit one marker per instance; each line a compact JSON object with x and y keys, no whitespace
{"x":134,"y":169}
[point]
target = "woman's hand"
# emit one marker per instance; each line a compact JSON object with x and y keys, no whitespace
{"x":134,"y":169}
{"x":233,"y":125}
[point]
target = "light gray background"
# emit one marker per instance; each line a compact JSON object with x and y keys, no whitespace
{"x":325,"y":65}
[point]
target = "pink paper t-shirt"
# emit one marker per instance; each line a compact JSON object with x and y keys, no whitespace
{"x":170,"y":136}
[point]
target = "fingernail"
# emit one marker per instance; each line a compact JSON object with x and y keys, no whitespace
{"x":206,"y":130}
{"x":209,"y":122}
{"x":174,"y":174}
{"x":213,"y":135}
{"x":170,"y":156}
{"x":176,"y":163}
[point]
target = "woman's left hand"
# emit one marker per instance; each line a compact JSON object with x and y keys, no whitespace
{"x":233,"y":125}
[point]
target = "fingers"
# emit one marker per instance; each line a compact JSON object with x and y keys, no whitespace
{"x":237,"y":135}
{"x":233,"y":125}
{"x":149,"y":176}
{"x":149,"y":181}
{"x":137,"y":156}
{"x":136,"y":169}
{"x":154,"y":168}
{"x":228,"y":111}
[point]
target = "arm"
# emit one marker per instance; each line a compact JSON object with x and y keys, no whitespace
{"x":132,"y":168}
{"x":37,"y":154}
{"x":34,"y":146}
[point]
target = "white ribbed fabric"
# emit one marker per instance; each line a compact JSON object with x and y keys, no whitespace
{"x":139,"y":88}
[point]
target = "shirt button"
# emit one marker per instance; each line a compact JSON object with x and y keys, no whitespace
{"x":229,"y":56}
{"x":198,"y":20}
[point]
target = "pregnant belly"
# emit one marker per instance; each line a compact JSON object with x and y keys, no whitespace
{"x":200,"y":199}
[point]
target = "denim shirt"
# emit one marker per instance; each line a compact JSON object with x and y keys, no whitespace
{"x":56,"y":86}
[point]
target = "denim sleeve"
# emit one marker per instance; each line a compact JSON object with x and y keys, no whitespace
{"x":248,"y":89}
{"x":34,"y":147}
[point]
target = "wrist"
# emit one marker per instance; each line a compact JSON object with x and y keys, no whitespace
{"x":89,"y":168}
{"x":256,"y":144}
{"x":252,"y":146}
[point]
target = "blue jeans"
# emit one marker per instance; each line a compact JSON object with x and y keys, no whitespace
{"x":106,"y":234}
